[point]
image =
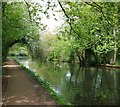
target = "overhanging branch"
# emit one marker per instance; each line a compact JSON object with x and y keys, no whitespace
{"x":28,"y":6}
{"x":69,"y":19}
{"x":100,"y":9}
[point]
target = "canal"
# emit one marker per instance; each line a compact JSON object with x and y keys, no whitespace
{"x":79,"y":85}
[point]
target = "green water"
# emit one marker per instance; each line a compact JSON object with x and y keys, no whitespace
{"x":79,"y":85}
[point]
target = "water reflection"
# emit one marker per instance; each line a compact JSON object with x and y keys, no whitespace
{"x":78,"y":85}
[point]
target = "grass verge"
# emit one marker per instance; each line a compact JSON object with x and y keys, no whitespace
{"x":59,"y":100}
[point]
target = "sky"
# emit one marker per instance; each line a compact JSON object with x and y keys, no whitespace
{"x":51,"y":23}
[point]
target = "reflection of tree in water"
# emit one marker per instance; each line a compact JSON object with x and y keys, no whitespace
{"x":119,"y":88}
{"x":93,"y":86}
{"x":82,"y":79}
{"x":80,"y":85}
{"x":74,"y":72}
{"x":73,"y":87}
{"x":108,"y":91}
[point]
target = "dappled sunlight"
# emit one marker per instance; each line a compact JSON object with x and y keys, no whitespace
{"x":22,"y":89}
{"x":8,"y":76}
{"x":10,"y":66}
{"x":47,"y":103}
{"x":71,"y":47}
{"x":11,"y":97}
{"x":24,"y":99}
{"x":20,"y":101}
{"x":36,"y":86}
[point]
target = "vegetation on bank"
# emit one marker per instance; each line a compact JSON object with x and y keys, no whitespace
{"x":59,"y":99}
{"x":89,"y":34}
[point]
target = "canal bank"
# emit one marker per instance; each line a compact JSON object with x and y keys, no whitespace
{"x":22,"y":89}
{"x":77,"y":85}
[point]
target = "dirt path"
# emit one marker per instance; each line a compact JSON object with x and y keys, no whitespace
{"x":22,"y":89}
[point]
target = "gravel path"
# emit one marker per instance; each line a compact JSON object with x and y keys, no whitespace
{"x":22,"y":89}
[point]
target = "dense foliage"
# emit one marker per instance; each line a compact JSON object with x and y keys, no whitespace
{"x":89,"y":35}
{"x":90,"y":32}
{"x":18,"y":26}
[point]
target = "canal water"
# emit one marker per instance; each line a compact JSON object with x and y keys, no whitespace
{"x":79,"y":85}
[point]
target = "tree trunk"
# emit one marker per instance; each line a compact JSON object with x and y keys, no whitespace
{"x":115,"y":49}
{"x":113,"y":59}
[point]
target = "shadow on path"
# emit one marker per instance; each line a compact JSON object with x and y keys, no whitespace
{"x":21,"y":88}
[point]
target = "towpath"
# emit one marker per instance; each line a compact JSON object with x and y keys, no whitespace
{"x":19,"y":88}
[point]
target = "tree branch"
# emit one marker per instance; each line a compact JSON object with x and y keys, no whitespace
{"x":28,"y":10}
{"x":3,"y":7}
{"x":69,"y":19}
{"x":63,"y":9}
{"x":101,"y":10}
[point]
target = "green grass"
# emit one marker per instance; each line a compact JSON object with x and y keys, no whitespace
{"x":59,"y":100}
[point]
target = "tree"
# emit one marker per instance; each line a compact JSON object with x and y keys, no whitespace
{"x":18,"y":26}
{"x":91,"y":25}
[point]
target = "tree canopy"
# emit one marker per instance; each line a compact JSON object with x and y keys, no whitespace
{"x":90,"y":31}
{"x":18,"y":26}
